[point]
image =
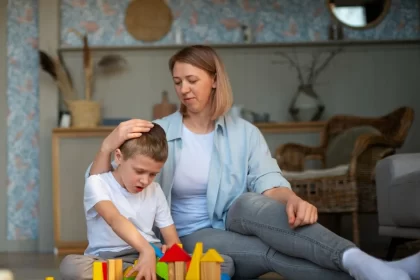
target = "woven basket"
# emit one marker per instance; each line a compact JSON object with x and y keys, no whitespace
{"x":84,"y":113}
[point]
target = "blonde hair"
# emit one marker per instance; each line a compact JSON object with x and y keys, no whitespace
{"x":152,"y":144}
{"x":205,"y":58}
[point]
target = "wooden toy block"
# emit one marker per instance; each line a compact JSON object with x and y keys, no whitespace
{"x":175,"y":254}
{"x":105,"y":270}
{"x":212,"y":256}
{"x":194,"y":266}
{"x":127,"y":272}
{"x":210,"y":265}
{"x":46,"y":278}
{"x":171,"y":271}
{"x":162,"y":270}
{"x":176,"y":258}
{"x":158,"y":252}
{"x":118,"y":269}
{"x":224,"y":276}
{"x":179,"y":270}
{"x":97,"y":270}
{"x":111,"y":269}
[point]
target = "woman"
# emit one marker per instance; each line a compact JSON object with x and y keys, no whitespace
{"x":226,"y":191}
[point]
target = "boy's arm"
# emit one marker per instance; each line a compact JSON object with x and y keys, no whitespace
{"x":122,"y":226}
{"x":163,"y":219}
{"x":170,"y":235}
{"x":97,"y":201}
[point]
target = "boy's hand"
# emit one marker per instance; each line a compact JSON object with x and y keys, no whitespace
{"x":164,"y":248}
{"x":146,"y":266}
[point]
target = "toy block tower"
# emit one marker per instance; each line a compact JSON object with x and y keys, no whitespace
{"x":210,"y":265}
{"x":176,"y":258}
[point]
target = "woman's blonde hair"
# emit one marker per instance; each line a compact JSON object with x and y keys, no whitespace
{"x":205,"y":58}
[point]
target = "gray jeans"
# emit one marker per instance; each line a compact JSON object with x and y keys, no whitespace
{"x":260,"y":240}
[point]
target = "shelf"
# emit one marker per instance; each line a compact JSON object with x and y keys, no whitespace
{"x":253,"y":45}
{"x":274,"y":127}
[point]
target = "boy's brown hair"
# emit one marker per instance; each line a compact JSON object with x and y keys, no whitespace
{"x":152,"y":144}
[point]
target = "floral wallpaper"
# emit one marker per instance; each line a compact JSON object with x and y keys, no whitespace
{"x":22,"y":120}
{"x":218,"y":21}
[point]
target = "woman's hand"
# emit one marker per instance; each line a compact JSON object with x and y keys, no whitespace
{"x":300,"y":212}
{"x":124,"y":131}
{"x":146,"y":265}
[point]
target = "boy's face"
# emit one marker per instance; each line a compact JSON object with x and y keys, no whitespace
{"x":137,"y":172}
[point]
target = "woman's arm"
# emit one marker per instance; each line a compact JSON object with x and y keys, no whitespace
{"x":124,"y":131}
{"x":123,"y":227}
{"x":263,"y":171}
{"x":101,"y":163}
{"x":280,"y":194}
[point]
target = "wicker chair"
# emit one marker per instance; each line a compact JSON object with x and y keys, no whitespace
{"x":350,"y":148}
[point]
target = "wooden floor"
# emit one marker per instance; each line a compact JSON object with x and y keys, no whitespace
{"x":31,"y":266}
{"x":35,"y":266}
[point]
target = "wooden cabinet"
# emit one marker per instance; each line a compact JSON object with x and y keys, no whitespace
{"x":72,"y":152}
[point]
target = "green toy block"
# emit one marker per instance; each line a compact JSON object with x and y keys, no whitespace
{"x":130,"y":278}
{"x":162,"y":270}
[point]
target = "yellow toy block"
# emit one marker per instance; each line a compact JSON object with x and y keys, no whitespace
{"x":212,"y":256}
{"x":194,"y":269}
{"x":97,"y":270}
{"x":118,"y":269}
{"x":49,"y":278}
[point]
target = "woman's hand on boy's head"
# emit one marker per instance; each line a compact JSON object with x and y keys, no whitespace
{"x":123,"y":132}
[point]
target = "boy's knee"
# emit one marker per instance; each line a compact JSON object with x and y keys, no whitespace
{"x":75,"y":267}
{"x":228,"y":266}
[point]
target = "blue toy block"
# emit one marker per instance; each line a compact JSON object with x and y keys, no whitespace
{"x":224,"y":276}
{"x":158,"y":252}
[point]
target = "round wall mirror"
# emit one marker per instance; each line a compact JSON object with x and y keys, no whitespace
{"x":359,"y":14}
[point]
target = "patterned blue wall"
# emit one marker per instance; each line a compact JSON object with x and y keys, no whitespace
{"x":23,"y":120}
{"x":217,"y":21}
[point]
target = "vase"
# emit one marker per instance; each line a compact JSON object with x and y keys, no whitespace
{"x":306,"y":104}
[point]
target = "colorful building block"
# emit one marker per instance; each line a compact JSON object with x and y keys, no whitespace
{"x":162,"y":270}
{"x":158,"y":252}
{"x":210,"y":265}
{"x":97,"y":271}
{"x":193,"y":271}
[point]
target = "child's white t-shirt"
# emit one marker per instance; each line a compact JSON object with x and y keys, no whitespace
{"x":144,"y":210}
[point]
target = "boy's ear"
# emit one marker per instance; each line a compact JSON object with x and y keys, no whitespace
{"x":118,"y":156}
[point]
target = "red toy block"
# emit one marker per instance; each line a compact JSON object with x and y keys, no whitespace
{"x":175,"y":254}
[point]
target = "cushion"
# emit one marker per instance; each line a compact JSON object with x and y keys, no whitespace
{"x":340,"y":147}
{"x":317,"y":173}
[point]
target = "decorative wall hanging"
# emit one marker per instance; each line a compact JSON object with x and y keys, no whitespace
{"x":148,"y":20}
{"x":306,"y":105}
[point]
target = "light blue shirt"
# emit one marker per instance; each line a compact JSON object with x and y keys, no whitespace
{"x":240,"y":162}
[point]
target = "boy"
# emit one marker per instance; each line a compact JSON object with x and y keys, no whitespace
{"x":121,"y":208}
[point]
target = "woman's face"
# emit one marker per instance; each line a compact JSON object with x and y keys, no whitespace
{"x":193,"y":86}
